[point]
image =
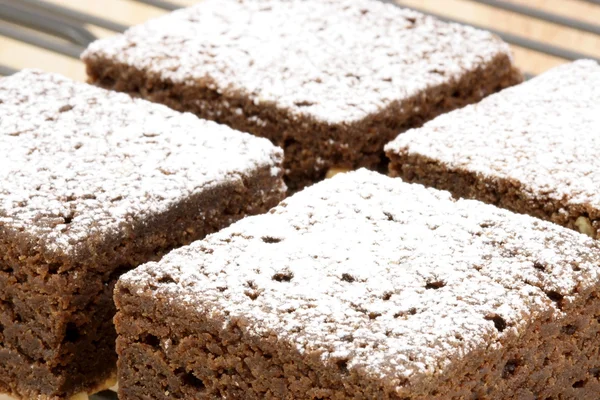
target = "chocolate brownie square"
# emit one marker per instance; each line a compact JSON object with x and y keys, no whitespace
{"x":532,"y":149}
{"x":330,"y":81}
{"x":92,"y":184}
{"x":366,"y":287}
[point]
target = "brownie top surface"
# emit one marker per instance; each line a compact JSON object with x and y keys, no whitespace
{"x":543,"y":134}
{"x":394,"y":279}
{"x":79,"y":163}
{"x":332,"y":60}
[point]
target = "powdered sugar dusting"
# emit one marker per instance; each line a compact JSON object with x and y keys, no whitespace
{"x":79,"y":162}
{"x":333,"y":60}
{"x":543,"y":134}
{"x":393,"y":279}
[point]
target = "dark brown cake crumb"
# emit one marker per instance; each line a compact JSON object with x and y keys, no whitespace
{"x":366,"y":287}
{"x":532,"y":149}
{"x":329,"y":81}
{"x":93,"y":183}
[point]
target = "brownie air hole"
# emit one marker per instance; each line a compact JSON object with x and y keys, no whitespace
{"x":65,"y":108}
{"x":253,"y":293}
{"x":269,"y":239}
{"x":499,"y":322}
{"x":304,"y":103}
{"x":374,"y":315}
{"x":348,"y":338}
{"x":539,"y":266}
{"x":342,"y":366}
{"x":556,"y":297}
{"x":569,"y":329}
{"x":284,"y":276}
{"x":510,"y":368}
{"x":166,"y":279}
{"x":188,"y":379}
{"x":54,"y":267}
{"x":191,"y":380}
{"x":435,"y":285}
{"x":124,"y":291}
{"x":348,"y":278}
{"x":150,"y":340}
{"x":411,"y":311}
{"x":579,"y":384}
{"x":72,"y":333}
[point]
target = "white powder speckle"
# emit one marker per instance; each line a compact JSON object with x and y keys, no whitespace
{"x":78,"y":162}
{"x":396,"y":280}
{"x":332,"y":60}
{"x":543,"y":135}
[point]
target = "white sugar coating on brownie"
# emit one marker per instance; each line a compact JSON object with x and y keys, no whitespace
{"x":333,"y":60}
{"x":329,"y":81}
{"x":79,"y":161}
{"x":542,"y":135}
{"x":386,"y":281}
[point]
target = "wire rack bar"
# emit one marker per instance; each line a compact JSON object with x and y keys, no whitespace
{"x":23,"y":15}
{"x":542,"y":15}
{"x":68,"y":13}
{"x":528,"y":76}
{"x":512,"y":38}
{"x":539,"y":46}
{"x":6,"y":71}
{"x":165,"y":5}
{"x":67,"y":49}
{"x":508,"y":37}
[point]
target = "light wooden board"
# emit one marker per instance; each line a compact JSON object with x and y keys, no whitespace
{"x":505,"y":21}
{"x":18,"y":55}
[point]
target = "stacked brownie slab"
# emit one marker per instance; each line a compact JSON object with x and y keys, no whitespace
{"x":365,"y":287}
{"x":361,"y":287}
{"x":532,"y":149}
{"x":330,"y":81}
{"x":92,"y":184}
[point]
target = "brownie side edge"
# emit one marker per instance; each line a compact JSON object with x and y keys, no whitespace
{"x":165,"y":349}
{"x":67,"y":350}
{"x":505,"y":193}
{"x":311,"y":147}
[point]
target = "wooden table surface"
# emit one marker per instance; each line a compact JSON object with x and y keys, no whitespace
{"x":18,"y":55}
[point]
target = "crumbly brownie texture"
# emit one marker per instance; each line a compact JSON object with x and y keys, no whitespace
{"x":366,"y":287}
{"x":330,"y":81}
{"x":532,"y":149}
{"x":93,"y":183}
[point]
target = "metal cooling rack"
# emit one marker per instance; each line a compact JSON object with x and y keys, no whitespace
{"x":63,"y":30}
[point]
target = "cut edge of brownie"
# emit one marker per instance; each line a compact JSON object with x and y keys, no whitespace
{"x":311,"y":147}
{"x":65,"y":350}
{"x":166,"y":350}
{"x":502,"y":192}
{"x":170,"y":343}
